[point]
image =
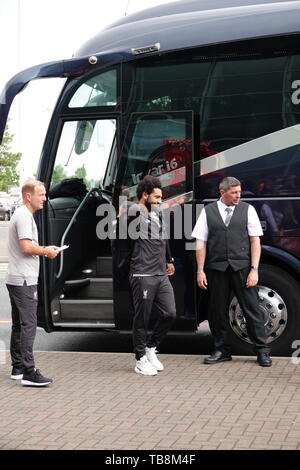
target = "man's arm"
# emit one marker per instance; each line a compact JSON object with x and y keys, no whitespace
{"x":255,"y":252}
{"x":29,"y":248}
{"x":200,"y":256}
{"x":169,"y":259}
{"x":200,"y":232}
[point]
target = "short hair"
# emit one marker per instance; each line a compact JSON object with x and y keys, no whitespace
{"x":30,"y":185}
{"x":147,"y":185}
{"x":229,"y":182}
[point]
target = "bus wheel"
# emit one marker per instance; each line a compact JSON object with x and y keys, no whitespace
{"x":279,"y":297}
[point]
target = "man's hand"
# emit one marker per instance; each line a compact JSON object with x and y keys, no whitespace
{"x":252,"y":278}
{"x":170,"y":269}
{"x":51,"y":251}
{"x":201,"y":280}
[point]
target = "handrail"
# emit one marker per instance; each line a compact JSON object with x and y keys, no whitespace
{"x":68,"y":229}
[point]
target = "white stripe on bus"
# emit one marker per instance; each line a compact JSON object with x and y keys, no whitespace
{"x":268,"y":144}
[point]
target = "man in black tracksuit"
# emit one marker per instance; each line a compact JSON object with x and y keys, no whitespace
{"x":150,"y":265}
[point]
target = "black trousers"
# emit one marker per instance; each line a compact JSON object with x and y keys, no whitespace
{"x":146,"y":292}
{"x":220,"y":285}
{"x":23,"y":301}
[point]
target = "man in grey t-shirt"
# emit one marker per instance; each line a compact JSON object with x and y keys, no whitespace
{"x":22,"y":279}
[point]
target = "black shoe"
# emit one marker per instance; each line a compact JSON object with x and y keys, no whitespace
{"x":35,"y":379}
{"x":264,"y":359}
{"x":16,"y":373}
{"x":217,"y":356}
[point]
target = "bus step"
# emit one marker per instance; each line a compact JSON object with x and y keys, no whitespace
{"x":93,"y":288}
{"x":89,"y":324}
{"x":87,"y":309}
{"x":104,"y":266}
{"x":75,"y":285}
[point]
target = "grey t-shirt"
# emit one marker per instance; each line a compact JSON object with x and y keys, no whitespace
{"x":21,"y":266}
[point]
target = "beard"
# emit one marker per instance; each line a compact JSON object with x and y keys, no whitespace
{"x":148,"y":206}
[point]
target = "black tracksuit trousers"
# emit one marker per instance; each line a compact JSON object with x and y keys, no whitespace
{"x":146,"y":292}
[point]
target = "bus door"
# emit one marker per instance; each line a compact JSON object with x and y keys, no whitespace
{"x":161,"y":145}
{"x":79,"y":280}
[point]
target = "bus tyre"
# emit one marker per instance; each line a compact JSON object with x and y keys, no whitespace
{"x":279,"y":295}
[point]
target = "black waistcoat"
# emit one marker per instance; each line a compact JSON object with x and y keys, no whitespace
{"x":227,"y":246}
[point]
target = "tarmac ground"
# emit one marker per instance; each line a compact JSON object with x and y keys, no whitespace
{"x":97,"y":402}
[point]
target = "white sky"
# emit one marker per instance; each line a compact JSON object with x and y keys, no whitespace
{"x":38,"y":31}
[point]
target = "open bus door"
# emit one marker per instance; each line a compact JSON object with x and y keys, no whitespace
{"x":79,"y":280}
{"x":63,"y":218}
{"x":161,"y":144}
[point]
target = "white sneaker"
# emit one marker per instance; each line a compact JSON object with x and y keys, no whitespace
{"x":152,"y":358}
{"x":144,"y":367}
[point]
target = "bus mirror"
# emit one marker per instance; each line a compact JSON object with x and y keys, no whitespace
{"x":83,"y":137}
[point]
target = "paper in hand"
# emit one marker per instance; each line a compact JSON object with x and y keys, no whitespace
{"x":64,"y":247}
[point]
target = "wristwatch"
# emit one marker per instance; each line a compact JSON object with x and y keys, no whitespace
{"x":254,"y":267}
{"x":170,"y":261}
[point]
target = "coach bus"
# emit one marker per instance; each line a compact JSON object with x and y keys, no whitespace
{"x":190,"y":91}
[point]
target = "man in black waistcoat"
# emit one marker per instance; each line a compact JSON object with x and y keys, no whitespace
{"x":228,"y":246}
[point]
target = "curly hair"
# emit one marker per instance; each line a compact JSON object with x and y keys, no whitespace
{"x":147,"y":185}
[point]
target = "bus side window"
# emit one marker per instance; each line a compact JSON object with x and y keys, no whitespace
{"x":160,"y":145}
{"x":100,"y":90}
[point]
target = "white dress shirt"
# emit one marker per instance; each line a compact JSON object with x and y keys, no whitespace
{"x":253,"y":226}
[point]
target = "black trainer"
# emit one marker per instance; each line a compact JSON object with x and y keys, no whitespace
{"x":16,"y":373}
{"x":35,"y":379}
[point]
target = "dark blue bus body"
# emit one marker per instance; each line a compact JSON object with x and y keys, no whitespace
{"x":189,"y":92}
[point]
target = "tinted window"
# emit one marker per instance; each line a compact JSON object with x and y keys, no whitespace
{"x":159,"y":145}
{"x":292,"y":91}
{"x":169,"y":87}
{"x":272,"y":174}
{"x":237,"y":99}
{"x":243,"y":101}
{"x":100,"y":90}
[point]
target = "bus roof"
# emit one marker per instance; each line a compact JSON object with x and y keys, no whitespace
{"x":186,"y":6}
{"x":192,"y":23}
{"x":174,"y":26}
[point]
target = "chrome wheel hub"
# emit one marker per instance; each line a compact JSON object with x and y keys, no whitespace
{"x":275,"y":315}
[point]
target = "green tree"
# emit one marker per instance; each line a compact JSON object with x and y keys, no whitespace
{"x":81,"y":173}
{"x":59,"y":174}
{"x":9,"y":175}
